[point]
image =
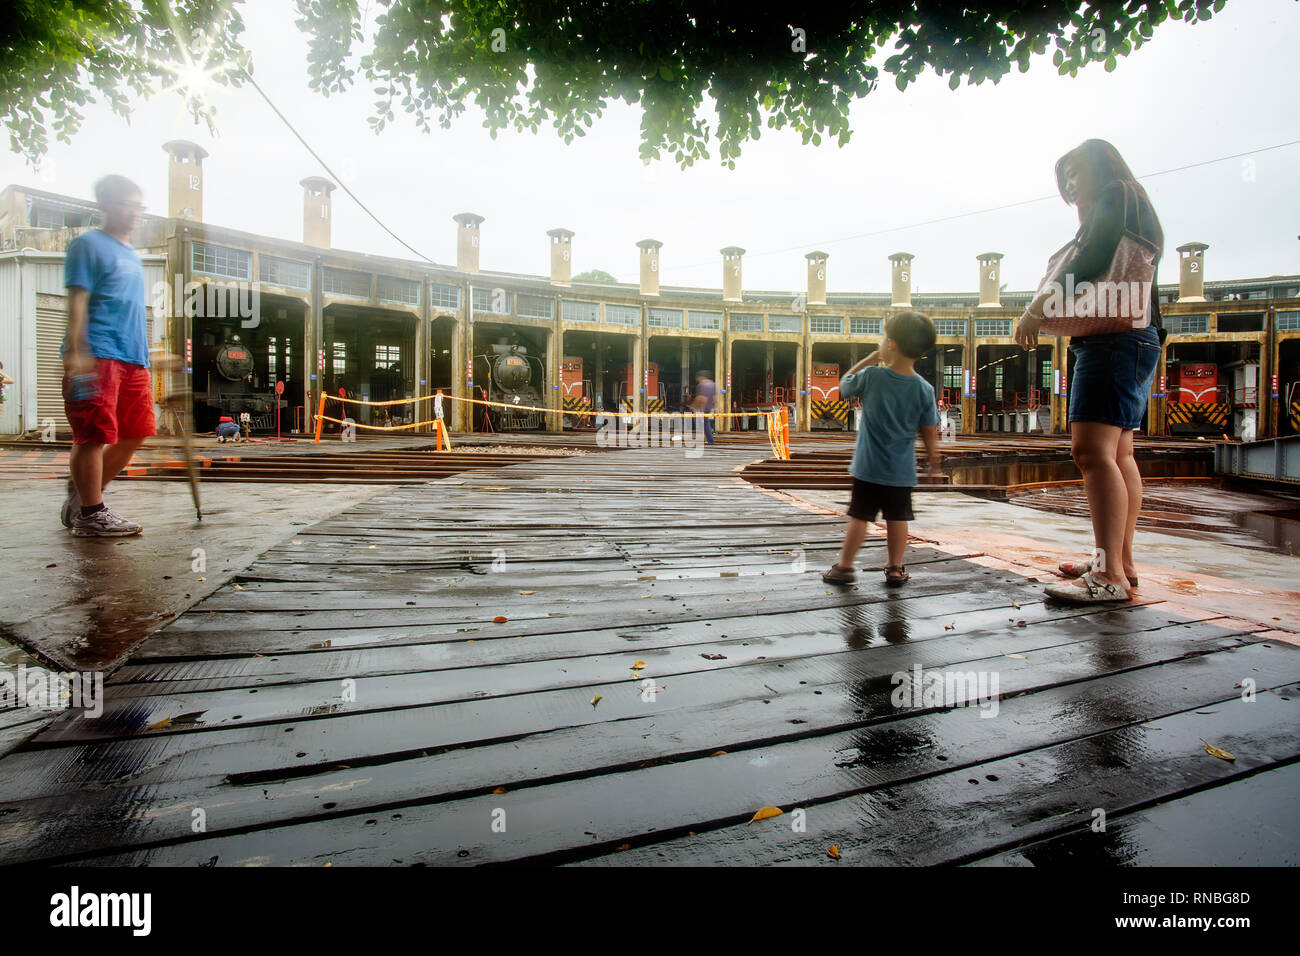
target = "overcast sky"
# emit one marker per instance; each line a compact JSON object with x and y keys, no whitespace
{"x":1194,"y":93}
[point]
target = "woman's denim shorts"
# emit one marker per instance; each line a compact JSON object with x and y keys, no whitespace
{"x":1111,"y":381}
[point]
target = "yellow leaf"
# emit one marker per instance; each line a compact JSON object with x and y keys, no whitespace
{"x":158,"y":726}
{"x":766,"y":813}
{"x":718,"y":753}
{"x":1214,"y":751}
{"x":595,"y":700}
{"x":833,"y":852}
{"x":499,"y":790}
{"x":639,"y":664}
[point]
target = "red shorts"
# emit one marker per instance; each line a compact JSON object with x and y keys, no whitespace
{"x":122,"y":411}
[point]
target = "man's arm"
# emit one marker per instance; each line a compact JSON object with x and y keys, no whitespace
{"x":78,"y":360}
{"x":872,"y":359}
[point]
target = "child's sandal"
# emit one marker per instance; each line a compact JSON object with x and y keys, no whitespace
{"x":896,"y":574}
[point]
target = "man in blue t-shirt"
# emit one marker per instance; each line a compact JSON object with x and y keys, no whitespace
{"x":107,"y":392}
{"x":896,"y":405}
{"x":706,"y":401}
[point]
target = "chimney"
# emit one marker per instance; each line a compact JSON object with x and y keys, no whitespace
{"x":990,"y":280}
{"x":467,"y":241}
{"x":649,"y":265}
{"x":185,"y":180}
{"x":316,"y":211}
{"x":561,"y":256}
{"x":816,"y":277}
{"x":901,"y":279}
{"x":731,"y":273}
{"x":1191,"y":272}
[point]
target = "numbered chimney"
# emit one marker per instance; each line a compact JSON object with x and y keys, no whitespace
{"x":990,"y":280}
{"x":185,"y":180}
{"x":1191,"y":272}
{"x":731,"y":277}
{"x":561,"y":256}
{"x":316,"y":211}
{"x":816,"y":277}
{"x":901,"y":278}
{"x":649,"y":265}
{"x":467,"y":241}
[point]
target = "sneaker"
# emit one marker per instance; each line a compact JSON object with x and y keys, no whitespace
{"x":104,"y":524}
{"x":839,"y":575}
{"x":71,"y":506}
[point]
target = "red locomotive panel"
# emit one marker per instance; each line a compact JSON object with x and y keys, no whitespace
{"x":571,"y":377}
{"x":1194,"y":383}
{"x":825,"y":382}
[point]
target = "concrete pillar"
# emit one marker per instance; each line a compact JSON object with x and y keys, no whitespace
{"x":990,"y":280}
{"x":731,"y":278}
{"x":561,"y":256}
{"x":185,"y":180}
{"x":649,"y":266}
{"x":1191,"y":272}
{"x":316,"y":212}
{"x":900,"y":279}
{"x":467,"y":241}
{"x":461,"y":413}
{"x":817,"y":277}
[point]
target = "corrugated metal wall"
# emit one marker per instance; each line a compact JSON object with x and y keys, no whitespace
{"x":11,"y":337}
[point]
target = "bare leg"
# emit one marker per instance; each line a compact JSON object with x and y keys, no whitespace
{"x":1133,"y":482}
{"x":853,"y":538}
{"x":895,"y":541}
{"x":86,"y":462}
{"x":117,"y":457}
{"x":1095,"y":449}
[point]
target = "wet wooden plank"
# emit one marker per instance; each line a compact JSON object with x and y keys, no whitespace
{"x":593,"y":815}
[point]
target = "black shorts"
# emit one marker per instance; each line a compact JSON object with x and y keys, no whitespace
{"x":893,"y":502}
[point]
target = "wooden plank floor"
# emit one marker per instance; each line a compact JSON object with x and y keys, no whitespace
{"x":354,"y":698}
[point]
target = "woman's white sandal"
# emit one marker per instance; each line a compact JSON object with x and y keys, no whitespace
{"x":1094,"y":591}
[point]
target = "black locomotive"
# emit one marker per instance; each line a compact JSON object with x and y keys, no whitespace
{"x":227,"y":382}
{"x":514,"y":378}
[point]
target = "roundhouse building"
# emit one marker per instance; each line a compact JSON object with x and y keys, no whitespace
{"x":248,"y":311}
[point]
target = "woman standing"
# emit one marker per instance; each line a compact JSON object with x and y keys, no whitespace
{"x":1112,"y":375}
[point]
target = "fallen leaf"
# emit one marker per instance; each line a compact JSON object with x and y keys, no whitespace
{"x":714,"y":657}
{"x":950,"y":627}
{"x":595,"y":700}
{"x":1015,"y":605}
{"x":718,"y":753}
{"x":499,"y":790}
{"x":1021,"y":624}
{"x":372,"y":547}
{"x":766,"y":813}
{"x":833,"y":852}
{"x":1214,"y":751}
{"x":625,"y":846}
{"x":500,"y":619}
{"x":526,"y":592}
{"x":1019,"y":657}
{"x":161,"y":724}
{"x":638,"y":665}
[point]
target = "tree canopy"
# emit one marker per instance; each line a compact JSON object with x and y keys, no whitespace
{"x":529,"y":62}
{"x":594,"y":275}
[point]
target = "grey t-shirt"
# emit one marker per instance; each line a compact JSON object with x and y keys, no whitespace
{"x":894,"y":408}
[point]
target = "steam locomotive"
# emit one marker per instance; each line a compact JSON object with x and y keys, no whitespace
{"x":226,"y":383}
{"x":514,"y":378}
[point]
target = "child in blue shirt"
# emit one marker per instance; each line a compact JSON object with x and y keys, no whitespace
{"x":896,"y":404}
